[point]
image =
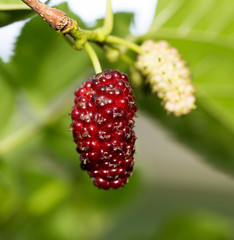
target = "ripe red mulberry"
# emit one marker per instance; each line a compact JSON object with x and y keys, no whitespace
{"x":102,"y":126}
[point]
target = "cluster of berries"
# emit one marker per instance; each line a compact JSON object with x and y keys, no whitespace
{"x":102,"y":126}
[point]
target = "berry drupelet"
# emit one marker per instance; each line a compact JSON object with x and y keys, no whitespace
{"x":102,"y":126}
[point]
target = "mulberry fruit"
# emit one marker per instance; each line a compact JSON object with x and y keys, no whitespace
{"x":168,"y":76}
{"x":102,"y":126}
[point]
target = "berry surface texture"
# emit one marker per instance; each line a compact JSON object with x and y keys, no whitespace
{"x":102,"y":126}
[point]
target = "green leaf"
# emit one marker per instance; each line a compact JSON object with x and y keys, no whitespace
{"x":13,"y":5}
{"x":13,"y":10}
{"x":7,"y":17}
{"x":204,"y":36}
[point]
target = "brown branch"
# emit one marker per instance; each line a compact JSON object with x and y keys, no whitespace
{"x":57,"y":19}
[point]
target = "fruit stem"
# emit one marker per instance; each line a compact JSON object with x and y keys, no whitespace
{"x":81,"y":36}
{"x":107,"y":27}
{"x":121,"y":41}
{"x":94,"y":58}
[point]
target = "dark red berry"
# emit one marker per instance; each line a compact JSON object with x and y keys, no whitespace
{"x":102,"y":125}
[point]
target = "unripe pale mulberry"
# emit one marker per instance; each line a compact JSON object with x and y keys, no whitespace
{"x":168,"y":76}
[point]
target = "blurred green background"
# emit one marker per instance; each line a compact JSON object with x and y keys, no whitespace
{"x":182,"y":187}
